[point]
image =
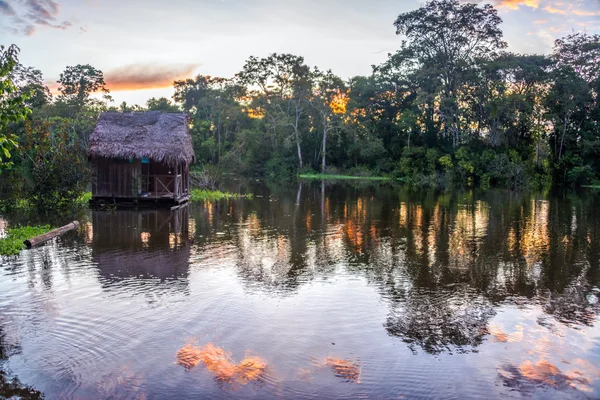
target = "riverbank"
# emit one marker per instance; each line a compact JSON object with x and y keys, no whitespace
{"x":343,"y":177}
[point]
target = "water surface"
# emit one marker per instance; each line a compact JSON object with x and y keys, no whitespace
{"x":342,"y":292}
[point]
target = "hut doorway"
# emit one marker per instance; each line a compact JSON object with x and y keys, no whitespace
{"x":160,"y":180}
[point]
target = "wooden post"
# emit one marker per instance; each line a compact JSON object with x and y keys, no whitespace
{"x":36,"y":241}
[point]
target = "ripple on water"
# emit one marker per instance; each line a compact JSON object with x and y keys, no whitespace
{"x":442,"y":297}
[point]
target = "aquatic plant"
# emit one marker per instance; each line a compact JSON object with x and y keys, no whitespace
{"x":12,"y":244}
{"x":214,"y":195}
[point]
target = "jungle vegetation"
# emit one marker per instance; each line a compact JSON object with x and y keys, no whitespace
{"x":452,"y":106}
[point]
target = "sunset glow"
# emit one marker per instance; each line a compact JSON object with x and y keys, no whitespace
{"x":142,"y":59}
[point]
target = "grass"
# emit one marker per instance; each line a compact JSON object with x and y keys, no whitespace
{"x":214,"y":195}
{"x":348,"y":177}
{"x":12,"y":244}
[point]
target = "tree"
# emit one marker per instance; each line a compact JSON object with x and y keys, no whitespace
{"x":328,"y":101}
{"x":284,"y":87}
{"x":161,"y":104}
{"x":54,"y":163}
{"x":446,"y":38}
{"x":573,"y":107}
{"x":212,"y":103}
{"x":78,"y":83}
{"x":13,"y":107}
{"x":31,"y":84}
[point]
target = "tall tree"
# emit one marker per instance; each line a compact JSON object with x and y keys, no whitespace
{"x":78,"y":82}
{"x":31,"y":83}
{"x":446,"y":37}
{"x":328,"y":101}
{"x":212,"y":102}
{"x":283,"y":89}
{"x":161,"y":104}
{"x":574,"y":108}
{"x":13,"y":107}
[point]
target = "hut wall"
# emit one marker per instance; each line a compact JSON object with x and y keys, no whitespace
{"x":116,"y":178}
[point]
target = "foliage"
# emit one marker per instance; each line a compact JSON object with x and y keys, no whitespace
{"x":12,"y":244}
{"x":450,"y":107}
{"x":84,"y":199}
{"x":198,"y":195}
{"x":56,"y":168}
{"x":161,"y":104}
{"x":13,"y":106}
{"x":78,"y":82}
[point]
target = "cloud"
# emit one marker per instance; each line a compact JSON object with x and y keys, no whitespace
{"x":557,"y":8}
{"x":515,"y":4}
{"x":540,"y":21}
{"x":6,"y":9}
{"x":583,"y":13}
{"x":33,"y":14}
{"x":147,"y":76}
{"x":554,"y":10}
{"x":42,"y":12}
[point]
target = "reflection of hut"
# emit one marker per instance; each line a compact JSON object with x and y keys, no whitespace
{"x":141,"y":157}
{"x":150,"y":245}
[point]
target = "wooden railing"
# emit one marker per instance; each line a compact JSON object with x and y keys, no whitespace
{"x":164,"y":186}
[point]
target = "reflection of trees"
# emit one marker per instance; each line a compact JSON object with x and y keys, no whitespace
{"x":151,"y":245}
{"x":440,"y":321}
{"x":444,"y":261}
{"x":11,"y":387}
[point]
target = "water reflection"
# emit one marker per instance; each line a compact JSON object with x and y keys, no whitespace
{"x":10,"y":386}
{"x":393,"y":293}
{"x":152,"y":246}
{"x":445,"y":263}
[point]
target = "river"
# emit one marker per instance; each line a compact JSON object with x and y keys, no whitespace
{"x":313,"y":291}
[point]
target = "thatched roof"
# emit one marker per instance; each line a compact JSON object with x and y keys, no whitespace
{"x":158,"y":136}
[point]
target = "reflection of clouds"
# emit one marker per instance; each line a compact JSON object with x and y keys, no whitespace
{"x":546,"y":356}
{"x":500,"y":336}
{"x":578,"y":375}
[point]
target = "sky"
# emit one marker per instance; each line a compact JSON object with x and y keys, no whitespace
{"x":142,"y":46}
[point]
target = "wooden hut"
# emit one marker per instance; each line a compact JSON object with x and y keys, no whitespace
{"x":141,"y":157}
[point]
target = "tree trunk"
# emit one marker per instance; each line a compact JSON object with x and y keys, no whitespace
{"x":324,"y":152}
{"x":38,"y":240}
{"x":562,"y":139}
{"x":299,"y":150}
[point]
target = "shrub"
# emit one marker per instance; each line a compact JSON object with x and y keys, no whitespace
{"x":581,"y":175}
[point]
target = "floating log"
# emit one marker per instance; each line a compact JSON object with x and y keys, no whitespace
{"x":36,"y":241}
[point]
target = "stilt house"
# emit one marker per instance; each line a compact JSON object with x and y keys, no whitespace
{"x":141,"y":157}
